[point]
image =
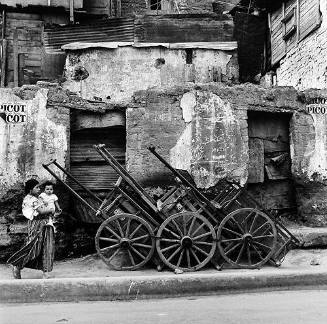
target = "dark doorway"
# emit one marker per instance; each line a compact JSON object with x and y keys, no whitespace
{"x":90,"y":169}
{"x":270,"y":180}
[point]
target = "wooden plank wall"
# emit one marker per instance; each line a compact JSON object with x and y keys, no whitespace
{"x":99,"y":7}
{"x":78,"y":4}
{"x":27,"y":61}
{"x":23,"y":32}
{"x":183,"y":28}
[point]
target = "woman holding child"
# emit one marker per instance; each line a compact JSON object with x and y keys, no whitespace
{"x":38,"y":252}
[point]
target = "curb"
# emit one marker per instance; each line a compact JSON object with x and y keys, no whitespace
{"x":145,"y":287}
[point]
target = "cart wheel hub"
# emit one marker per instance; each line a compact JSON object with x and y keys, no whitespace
{"x":124,"y":243}
{"x":247,"y":237}
{"x":187,"y":241}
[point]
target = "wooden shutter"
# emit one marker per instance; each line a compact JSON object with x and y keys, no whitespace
{"x":87,"y":166}
{"x":278,"y":48}
{"x":290,"y":24}
{"x":310,"y":17}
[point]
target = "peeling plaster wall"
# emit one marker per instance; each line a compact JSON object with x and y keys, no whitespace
{"x":203,"y":129}
{"x":308,"y":142}
{"x":24,"y":147}
{"x":195,"y":130}
{"x":305,"y":66}
{"x":211,"y":146}
{"x":115,"y":74}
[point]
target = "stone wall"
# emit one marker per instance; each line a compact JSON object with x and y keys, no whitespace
{"x":305,"y":64}
{"x":116,"y":73}
{"x":203,"y":129}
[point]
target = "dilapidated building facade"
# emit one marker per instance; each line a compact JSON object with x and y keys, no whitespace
{"x":171,"y":80}
{"x":263,"y":138}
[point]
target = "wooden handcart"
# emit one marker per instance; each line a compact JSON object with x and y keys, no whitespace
{"x":247,"y":237}
{"x":184,"y":229}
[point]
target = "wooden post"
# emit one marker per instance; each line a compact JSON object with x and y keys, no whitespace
{"x":109,"y":6}
{"x":16,"y":67}
{"x":71,"y":11}
{"x":21,"y":65}
{"x":3,"y":63}
{"x":118,"y":11}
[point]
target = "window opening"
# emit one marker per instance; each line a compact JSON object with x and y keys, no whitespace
{"x":189,"y":55}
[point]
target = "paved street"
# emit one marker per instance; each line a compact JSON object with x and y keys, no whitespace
{"x":271,"y":307}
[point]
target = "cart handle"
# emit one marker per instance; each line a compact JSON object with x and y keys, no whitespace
{"x":102,"y":150}
{"x":152,"y":149}
{"x":51,"y":162}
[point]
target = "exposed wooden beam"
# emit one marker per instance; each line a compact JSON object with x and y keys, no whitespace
{"x":16,"y":63}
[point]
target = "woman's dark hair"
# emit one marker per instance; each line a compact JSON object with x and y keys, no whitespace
{"x":30,"y":184}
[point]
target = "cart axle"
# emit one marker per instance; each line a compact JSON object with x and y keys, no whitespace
{"x":187,"y":242}
{"x":247,"y":237}
{"x":124,"y":243}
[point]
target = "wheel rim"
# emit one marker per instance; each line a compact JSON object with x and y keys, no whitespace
{"x":125,"y":242}
{"x":186,"y":241}
{"x":247,"y":238}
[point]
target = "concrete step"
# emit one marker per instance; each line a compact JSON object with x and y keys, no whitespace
{"x":313,"y":237}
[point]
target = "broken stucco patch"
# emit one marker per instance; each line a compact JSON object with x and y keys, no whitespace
{"x":308,"y":147}
{"x":317,"y":154}
{"x":188,"y":103}
{"x":181,"y":153}
{"x":211,"y":146}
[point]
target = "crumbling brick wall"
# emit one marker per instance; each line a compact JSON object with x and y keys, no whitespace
{"x":203,"y":129}
{"x":305,"y":66}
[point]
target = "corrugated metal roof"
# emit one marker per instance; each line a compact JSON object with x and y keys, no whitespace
{"x":118,"y":29}
{"x":225,"y":46}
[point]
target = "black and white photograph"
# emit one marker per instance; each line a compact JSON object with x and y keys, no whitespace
{"x":163,"y":161}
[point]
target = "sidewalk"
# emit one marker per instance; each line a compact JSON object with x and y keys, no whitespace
{"x":89,"y":278}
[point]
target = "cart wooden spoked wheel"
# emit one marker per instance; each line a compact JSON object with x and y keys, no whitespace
{"x":186,"y":241}
{"x":125,"y":242}
{"x":247,"y":238}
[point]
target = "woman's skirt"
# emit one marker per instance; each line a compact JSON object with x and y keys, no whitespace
{"x":38,"y":251}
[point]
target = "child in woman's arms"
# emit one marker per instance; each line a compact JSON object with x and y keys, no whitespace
{"x":50,"y":200}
